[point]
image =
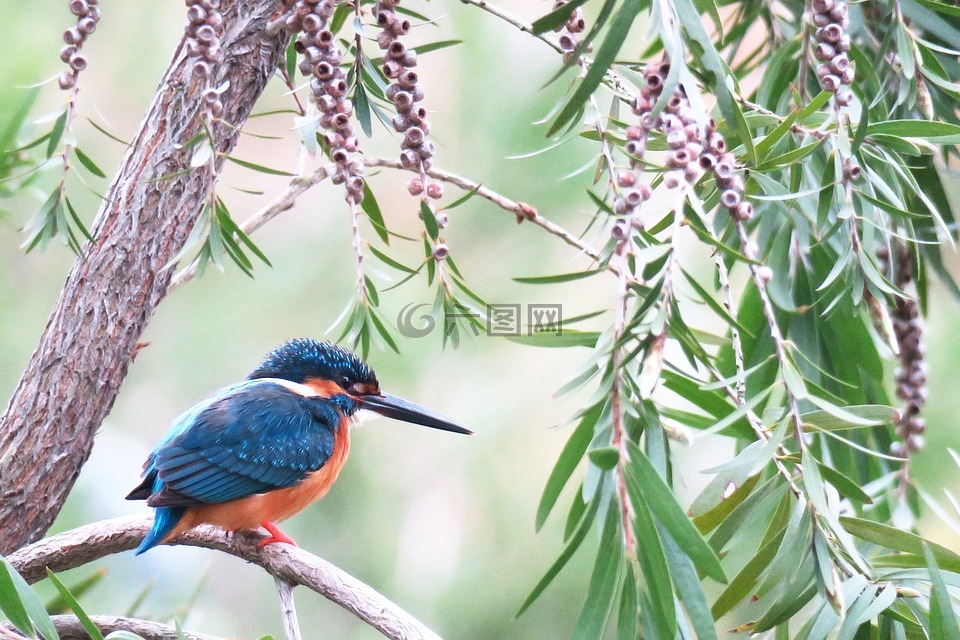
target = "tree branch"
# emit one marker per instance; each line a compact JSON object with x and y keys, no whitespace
{"x":69,"y":628}
{"x":75,"y":373}
{"x":298,"y":186}
{"x":284,"y":562}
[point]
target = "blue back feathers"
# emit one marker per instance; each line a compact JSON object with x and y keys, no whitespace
{"x":303,"y":358}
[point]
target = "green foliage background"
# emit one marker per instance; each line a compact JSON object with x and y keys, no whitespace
{"x":442,"y":525}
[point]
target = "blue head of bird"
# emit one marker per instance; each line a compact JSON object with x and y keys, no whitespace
{"x":340,"y":375}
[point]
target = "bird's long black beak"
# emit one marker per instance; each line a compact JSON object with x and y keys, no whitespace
{"x":394,"y":407}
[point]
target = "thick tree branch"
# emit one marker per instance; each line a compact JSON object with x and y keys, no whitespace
{"x":73,"y":377}
{"x":69,"y":628}
{"x":284,"y":562}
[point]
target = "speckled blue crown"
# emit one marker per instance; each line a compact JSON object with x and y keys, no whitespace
{"x":303,"y":358}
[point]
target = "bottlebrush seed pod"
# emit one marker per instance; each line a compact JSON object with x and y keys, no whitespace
{"x":79,"y":8}
{"x":730,"y":198}
{"x":831,"y":33}
{"x":633,"y":198}
{"x":415,"y":186}
{"x":830,"y":82}
{"x":67,"y":52}
{"x":723,"y":170}
{"x":440,"y":251}
{"x":86,"y":26}
{"x":435,"y":190}
{"x":196,"y":14}
{"x":72,"y":36}
{"x":744,"y":211}
{"x":820,"y":19}
{"x":66,"y":80}
{"x":626,"y":179}
{"x":824,"y":51}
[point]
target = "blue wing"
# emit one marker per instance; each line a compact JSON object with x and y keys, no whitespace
{"x":250,"y":438}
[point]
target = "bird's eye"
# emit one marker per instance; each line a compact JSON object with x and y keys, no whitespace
{"x":345,"y":381}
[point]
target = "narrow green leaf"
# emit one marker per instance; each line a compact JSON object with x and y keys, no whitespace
{"x":361,"y":106}
{"x":90,"y":165}
{"x":938,"y":132}
{"x":663,"y":504}
{"x":943,"y":618}
{"x":371,"y":207}
{"x":258,"y":167}
{"x":39,"y":615}
{"x":562,"y":277}
{"x":78,"y":611}
{"x":429,"y":220}
{"x":565,"y":339}
{"x":688,"y":586}
{"x":900,"y":540}
{"x":56,"y":134}
{"x":556,"y":18}
{"x":606,"y":54}
{"x":12,"y":605}
{"x":585,"y":524}
{"x":603,"y":582}
{"x":464,"y":198}
{"x":567,"y":461}
{"x":653,"y":566}
{"x":59,"y":605}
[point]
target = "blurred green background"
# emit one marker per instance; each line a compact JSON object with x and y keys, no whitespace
{"x":442,"y":525}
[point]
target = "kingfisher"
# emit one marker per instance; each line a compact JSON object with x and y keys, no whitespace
{"x":260,"y":451}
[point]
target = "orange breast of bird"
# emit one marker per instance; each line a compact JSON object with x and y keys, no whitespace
{"x":272,"y":506}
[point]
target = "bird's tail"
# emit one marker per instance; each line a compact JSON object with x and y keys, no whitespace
{"x":164,"y":520}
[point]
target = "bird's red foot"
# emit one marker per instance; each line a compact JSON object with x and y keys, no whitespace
{"x":275,"y":535}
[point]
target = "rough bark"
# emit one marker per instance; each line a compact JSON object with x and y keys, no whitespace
{"x":290,"y":564}
{"x":70,"y":628}
{"x":73,"y":377}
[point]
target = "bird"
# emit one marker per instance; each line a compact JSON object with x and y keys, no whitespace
{"x":259,"y":451}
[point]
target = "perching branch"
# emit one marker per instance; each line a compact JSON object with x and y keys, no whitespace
{"x":81,"y":361}
{"x":284,"y":562}
{"x":69,"y":628}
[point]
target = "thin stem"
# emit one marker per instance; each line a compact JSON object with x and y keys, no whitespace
{"x":288,"y":610}
{"x":620,"y":437}
{"x":358,"y":247}
{"x":780,"y":346}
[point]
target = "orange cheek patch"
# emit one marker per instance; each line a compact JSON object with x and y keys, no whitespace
{"x":323,"y":388}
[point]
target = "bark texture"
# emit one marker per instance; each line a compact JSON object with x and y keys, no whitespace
{"x":73,"y":377}
{"x":293,"y":565}
{"x":70,"y":628}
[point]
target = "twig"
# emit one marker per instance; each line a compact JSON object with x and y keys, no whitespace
{"x":297,"y":187}
{"x":780,"y":345}
{"x":290,"y":564}
{"x":522,"y":210}
{"x":288,"y":609}
{"x":284,"y":202}
{"x":69,"y":628}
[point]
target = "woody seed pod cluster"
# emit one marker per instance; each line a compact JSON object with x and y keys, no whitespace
{"x":406,"y":93}
{"x":911,"y":376}
{"x":321,"y":61}
{"x":835,"y":70}
{"x":203,"y":44}
{"x":88,"y":14}
{"x":570,"y":30}
{"x":716,"y":158}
